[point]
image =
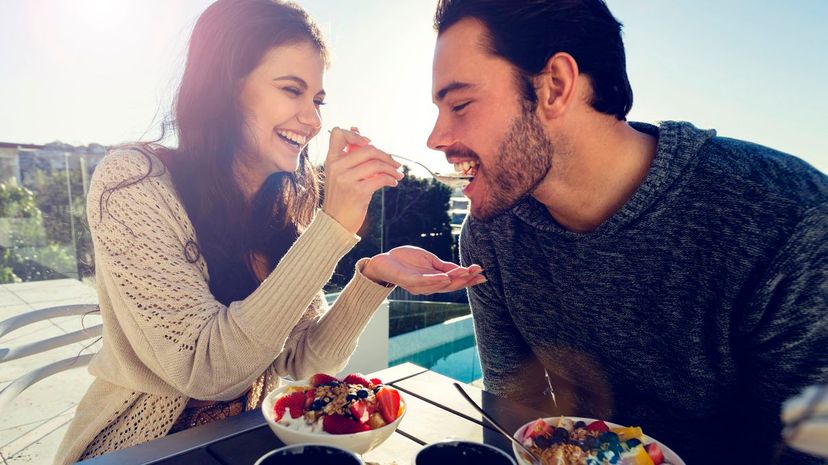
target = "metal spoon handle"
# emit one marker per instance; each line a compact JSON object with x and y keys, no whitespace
{"x":494,"y":423}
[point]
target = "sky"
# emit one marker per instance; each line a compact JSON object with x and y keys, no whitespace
{"x":105,"y":71}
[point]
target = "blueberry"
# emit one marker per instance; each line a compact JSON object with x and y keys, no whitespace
{"x":609,"y":437}
{"x":580,"y":424}
{"x":316,"y":405}
{"x":561,"y":433}
{"x":351,"y":397}
{"x":633,"y":442}
{"x":362,"y":393}
{"x":590,"y":442}
{"x":543,"y":442}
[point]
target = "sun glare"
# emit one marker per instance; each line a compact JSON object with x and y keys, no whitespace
{"x":100,"y":14}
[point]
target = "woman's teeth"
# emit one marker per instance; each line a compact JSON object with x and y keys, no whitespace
{"x":292,"y":138}
{"x":468,"y":167}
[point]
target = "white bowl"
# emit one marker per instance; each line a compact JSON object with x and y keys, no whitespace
{"x":298,"y":450}
{"x":359,"y":443}
{"x":669,"y":455}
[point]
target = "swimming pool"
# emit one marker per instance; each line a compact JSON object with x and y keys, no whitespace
{"x":449,"y":349}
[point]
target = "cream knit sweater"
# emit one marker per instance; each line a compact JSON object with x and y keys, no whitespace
{"x":167,"y":340}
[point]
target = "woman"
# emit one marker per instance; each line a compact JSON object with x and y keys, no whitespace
{"x":211,"y":257}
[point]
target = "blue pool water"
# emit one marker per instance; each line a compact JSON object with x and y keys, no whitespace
{"x":457,"y":359}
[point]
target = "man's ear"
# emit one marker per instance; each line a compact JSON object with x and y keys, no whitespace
{"x":556,"y":86}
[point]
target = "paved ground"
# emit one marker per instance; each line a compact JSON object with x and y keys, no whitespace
{"x":32,"y":426}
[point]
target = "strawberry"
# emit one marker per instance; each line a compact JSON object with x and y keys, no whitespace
{"x":598,"y":425}
{"x":338,"y":424}
{"x":376,"y":381}
{"x":293,"y":401}
{"x":376,"y":421}
{"x":359,"y":410}
{"x":321,"y":378}
{"x":389,"y":403}
{"x":357,"y":378}
{"x":310,"y":394}
{"x":655,"y":453}
{"x":538,"y":428}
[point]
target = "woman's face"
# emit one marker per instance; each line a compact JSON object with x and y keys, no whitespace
{"x":280,"y":99}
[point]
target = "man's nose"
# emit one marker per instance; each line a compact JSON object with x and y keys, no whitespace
{"x":438,"y":139}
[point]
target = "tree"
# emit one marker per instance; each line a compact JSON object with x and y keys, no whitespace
{"x":416,"y":213}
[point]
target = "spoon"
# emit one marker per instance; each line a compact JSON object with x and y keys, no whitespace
{"x":452,"y":180}
{"x":533,"y":458}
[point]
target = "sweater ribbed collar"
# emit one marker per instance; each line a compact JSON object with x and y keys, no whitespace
{"x":678,"y":145}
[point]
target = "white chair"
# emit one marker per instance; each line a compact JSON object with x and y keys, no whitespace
{"x":8,"y":354}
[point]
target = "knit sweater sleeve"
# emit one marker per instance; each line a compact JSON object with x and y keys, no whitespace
{"x":160,"y":297}
{"x":509,"y":365}
{"x":785,"y":331}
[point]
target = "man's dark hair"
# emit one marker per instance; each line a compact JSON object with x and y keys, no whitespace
{"x":527,"y":33}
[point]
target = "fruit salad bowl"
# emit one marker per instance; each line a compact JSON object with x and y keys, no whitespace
{"x":354,"y":413}
{"x":586,"y":440}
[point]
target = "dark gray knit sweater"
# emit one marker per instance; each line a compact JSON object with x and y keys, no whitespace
{"x":693,"y":311}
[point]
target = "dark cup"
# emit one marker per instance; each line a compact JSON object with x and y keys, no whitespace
{"x":462,"y":453}
{"x":305,"y":454}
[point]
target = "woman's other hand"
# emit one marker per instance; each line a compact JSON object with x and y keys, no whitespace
{"x":419,"y":271}
{"x":352,"y":177}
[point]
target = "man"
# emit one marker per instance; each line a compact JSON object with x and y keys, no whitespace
{"x":663,"y":276}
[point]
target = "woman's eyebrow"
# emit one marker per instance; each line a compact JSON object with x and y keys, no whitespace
{"x":295,"y":79}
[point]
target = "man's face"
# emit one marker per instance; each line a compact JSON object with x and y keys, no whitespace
{"x":484,"y":125}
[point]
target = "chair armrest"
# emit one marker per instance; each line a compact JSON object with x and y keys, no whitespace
{"x":18,"y":321}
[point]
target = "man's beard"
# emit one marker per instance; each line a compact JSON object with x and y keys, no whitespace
{"x":523,"y":160}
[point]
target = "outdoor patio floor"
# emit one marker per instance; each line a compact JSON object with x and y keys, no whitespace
{"x":33,"y":425}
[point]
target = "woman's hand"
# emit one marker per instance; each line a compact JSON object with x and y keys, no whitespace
{"x":419,"y":271}
{"x":352,"y":177}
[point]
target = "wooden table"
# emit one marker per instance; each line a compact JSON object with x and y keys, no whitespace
{"x":436,"y":411}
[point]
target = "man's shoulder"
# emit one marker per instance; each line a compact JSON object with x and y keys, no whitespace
{"x":766,"y":170}
{"x":474,"y":229}
{"x":485,"y":237}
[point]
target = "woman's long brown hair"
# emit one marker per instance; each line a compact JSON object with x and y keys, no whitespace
{"x":228,"y":42}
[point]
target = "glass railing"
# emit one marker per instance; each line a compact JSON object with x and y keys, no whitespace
{"x":43,"y":230}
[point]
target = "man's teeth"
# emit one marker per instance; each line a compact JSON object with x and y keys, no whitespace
{"x":296,"y":138}
{"x":467,"y":167}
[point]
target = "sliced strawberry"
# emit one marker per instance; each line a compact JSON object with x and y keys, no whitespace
{"x":655,"y":453}
{"x":309,"y":396}
{"x":598,"y":425}
{"x":538,"y":428}
{"x":389,"y":403}
{"x":338,"y":424}
{"x":357,"y":378}
{"x":321,"y":378}
{"x":293,"y":401}
{"x":359,"y":410}
{"x":376,"y":381}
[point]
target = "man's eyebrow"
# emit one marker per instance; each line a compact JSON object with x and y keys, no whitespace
{"x":301,"y":82}
{"x":451,"y":87}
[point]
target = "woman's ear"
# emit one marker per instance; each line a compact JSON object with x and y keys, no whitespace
{"x":556,"y":86}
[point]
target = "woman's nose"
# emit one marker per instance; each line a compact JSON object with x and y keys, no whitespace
{"x":311,"y":117}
